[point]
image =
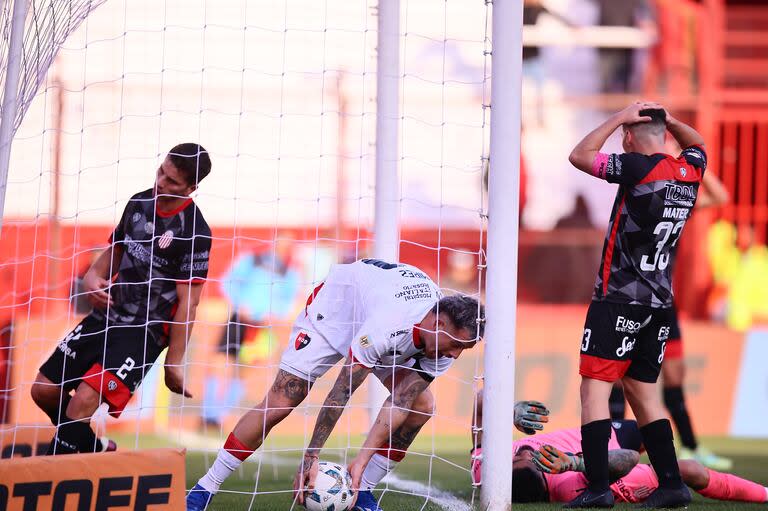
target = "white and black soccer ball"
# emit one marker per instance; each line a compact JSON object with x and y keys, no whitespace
{"x":333,"y":489}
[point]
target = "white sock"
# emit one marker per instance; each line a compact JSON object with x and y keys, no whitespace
{"x":224,"y":465}
{"x":375,"y":471}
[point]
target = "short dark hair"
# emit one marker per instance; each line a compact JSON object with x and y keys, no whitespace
{"x":528,"y":485}
{"x":464,"y":312}
{"x":192,"y":160}
{"x":657,"y":125}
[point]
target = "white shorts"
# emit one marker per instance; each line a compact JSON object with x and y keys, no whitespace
{"x":309,"y":355}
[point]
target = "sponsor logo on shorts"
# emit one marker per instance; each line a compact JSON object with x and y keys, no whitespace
{"x":629,"y":326}
{"x":302,"y":340}
{"x":627,"y":345}
{"x":112,"y":386}
{"x":663,"y":333}
{"x":364,"y":341}
{"x":71,"y":336}
{"x":68,"y":352}
{"x":166,"y":239}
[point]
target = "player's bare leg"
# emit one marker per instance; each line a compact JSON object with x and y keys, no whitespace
{"x":387,"y":458}
{"x":71,"y":415}
{"x":287,"y":392}
{"x":48,"y":397}
{"x":63,"y":408}
{"x":644,"y":399}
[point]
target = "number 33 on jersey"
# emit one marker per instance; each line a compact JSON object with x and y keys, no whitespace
{"x":655,"y":199}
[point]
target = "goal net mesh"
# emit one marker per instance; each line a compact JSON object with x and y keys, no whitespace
{"x":283,"y":96}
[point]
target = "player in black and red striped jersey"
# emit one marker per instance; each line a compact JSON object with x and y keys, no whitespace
{"x":629,"y":319}
{"x":712,"y":193}
{"x":144,"y":289}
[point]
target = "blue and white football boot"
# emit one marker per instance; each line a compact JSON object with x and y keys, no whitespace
{"x":366,"y":502}
{"x":198,"y":498}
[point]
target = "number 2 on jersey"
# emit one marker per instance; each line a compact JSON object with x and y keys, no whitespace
{"x":663,"y":231}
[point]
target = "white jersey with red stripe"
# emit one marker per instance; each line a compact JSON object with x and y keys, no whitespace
{"x":374,"y":305}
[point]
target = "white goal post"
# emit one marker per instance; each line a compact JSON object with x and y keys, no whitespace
{"x":257,"y":84}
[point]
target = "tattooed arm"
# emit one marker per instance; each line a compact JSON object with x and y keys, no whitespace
{"x":552,"y":460}
{"x":621,"y":462}
{"x":350,"y":378}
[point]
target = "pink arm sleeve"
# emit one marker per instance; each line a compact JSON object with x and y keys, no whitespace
{"x":599,"y":165}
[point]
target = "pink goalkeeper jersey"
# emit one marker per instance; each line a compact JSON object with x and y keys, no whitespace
{"x":634,"y":487}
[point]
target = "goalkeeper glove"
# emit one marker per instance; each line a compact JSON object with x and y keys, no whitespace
{"x":552,"y":460}
{"x":530,"y":416}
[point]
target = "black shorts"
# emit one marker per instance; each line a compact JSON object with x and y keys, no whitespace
{"x":621,"y":339}
{"x":675,"y":344}
{"x":113,"y":361}
{"x":628,"y":434}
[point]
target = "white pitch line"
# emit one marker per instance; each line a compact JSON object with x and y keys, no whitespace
{"x":440,"y":497}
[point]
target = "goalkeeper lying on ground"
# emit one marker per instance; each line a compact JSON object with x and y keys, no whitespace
{"x":546,"y":470}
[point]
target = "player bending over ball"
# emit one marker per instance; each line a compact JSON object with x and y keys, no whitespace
{"x":385,"y":318}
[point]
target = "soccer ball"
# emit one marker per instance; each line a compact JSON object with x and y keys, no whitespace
{"x":333,"y":489}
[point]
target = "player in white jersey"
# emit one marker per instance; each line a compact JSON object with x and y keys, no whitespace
{"x":385,"y":318}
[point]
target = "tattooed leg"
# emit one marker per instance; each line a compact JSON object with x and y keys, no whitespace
{"x":287,"y":392}
{"x":386,"y":458}
{"x":423,"y":408}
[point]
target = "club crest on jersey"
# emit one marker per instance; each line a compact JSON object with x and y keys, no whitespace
{"x":149,"y":227}
{"x":166,"y":239}
{"x":364,"y":341}
{"x":683,"y":172}
{"x":302,"y":340}
{"x":136,"y":217}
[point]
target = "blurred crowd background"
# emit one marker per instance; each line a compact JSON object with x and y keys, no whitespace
{"x":284,"y":99}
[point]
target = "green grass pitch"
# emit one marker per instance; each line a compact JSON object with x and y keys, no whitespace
{"x":272,"y":478}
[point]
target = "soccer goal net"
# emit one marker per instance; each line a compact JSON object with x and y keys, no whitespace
{"x":283,"y":95}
